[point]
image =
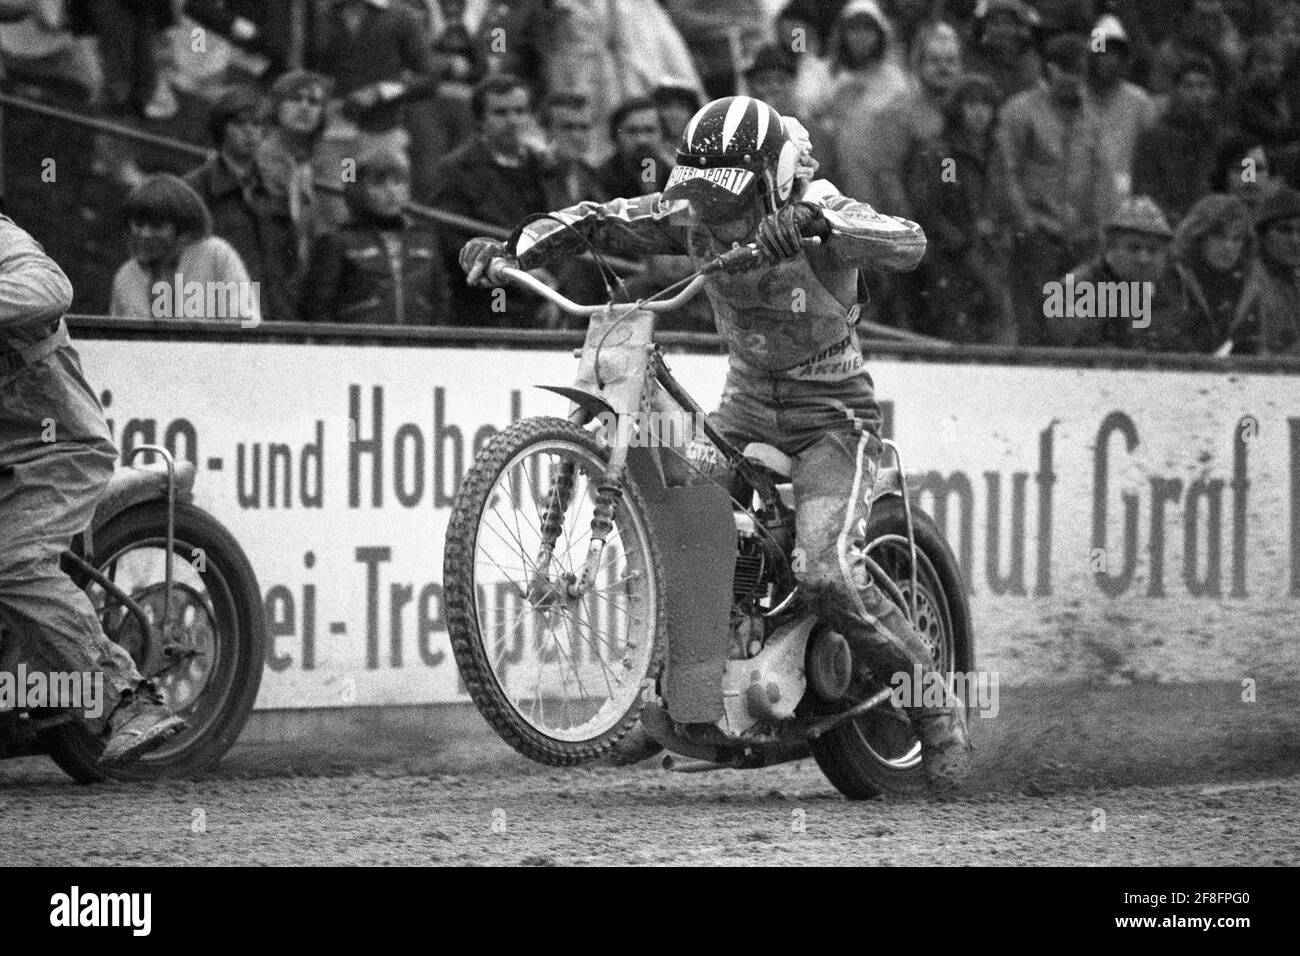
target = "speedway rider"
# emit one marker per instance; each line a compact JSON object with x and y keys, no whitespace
{"x":55,"y":460}
{"x":796,"y":377}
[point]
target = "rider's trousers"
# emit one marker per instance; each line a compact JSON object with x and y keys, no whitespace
{"x":55,"y":461}
{"x":832,"y":429}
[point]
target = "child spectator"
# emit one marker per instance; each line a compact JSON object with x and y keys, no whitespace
{"x":380,"y":267}
{"x":173,"y":253}
{"x":1242,"y":169}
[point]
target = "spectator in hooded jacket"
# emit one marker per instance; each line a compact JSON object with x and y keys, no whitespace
{"x":1204,"y":31}
{"x":174,"y":254}
{"x":381,"y":267}
{"x":866,"y":74}
{"x":1277,"y":223}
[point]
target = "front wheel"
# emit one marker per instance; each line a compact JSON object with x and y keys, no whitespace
{"x":206,"y":660}
{"x":558,"y":672}
{"x":878,"y":752}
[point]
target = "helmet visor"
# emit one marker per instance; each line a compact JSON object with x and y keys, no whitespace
{"x":721,"y":192}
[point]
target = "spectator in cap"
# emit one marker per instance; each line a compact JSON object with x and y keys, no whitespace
{"x":1242,"y":169}
{"x":1062,"y":186}
{"x":958,"y":187}
{"x":1174,"y":158}
{"x":1006,"y":50}
{"x":287,"y":155}
{"x":1135,"y":250}
{"x":1277,"y":224}
{"x":381,"y":267}
{"x":770,"y":77}
{"x":243,"y":214}
{"x":174,"y":252}
{"x":1222,"y":281}
{"x":1124,"y":109}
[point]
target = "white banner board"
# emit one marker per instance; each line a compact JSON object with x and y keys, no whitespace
{"x":1114,"y":525}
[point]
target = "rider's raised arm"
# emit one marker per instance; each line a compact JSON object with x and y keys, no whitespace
{"x":863,"y":238}
{"x":32,"y":286}
{"x":645,"y":225}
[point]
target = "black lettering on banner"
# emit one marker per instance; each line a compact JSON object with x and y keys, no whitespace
{"x":372,"y":446}
{"x":1113,"y":585}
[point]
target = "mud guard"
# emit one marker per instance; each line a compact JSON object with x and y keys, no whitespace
{"x":697,"y":541}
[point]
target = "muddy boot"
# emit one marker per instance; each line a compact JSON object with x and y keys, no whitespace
{"x":945,"y":745}
{"x":140,"y":723}
{"x":636,"y":746}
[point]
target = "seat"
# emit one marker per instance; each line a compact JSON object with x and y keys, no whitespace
{"x":773,"y":459}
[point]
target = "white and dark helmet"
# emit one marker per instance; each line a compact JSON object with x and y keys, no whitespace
{"x":731,"y":148}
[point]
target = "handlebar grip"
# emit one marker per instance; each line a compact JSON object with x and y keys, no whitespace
{"x":493,"y":271}
{"x":743,"y":254}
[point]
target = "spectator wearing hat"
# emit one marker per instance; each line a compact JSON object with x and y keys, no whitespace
{"x":1062,"y":187}
{"x":173,"y":251}
{"x":287,"y":156}
{"x":1124,"y":109}
{"x":1214,"y":253}
{"x":1173,"y":160}
{"x":381,"y":267}
{"x":243,"y":214}
{"x":1135,"y":250}
{"x":958,"y":187}
{"x":1277,"y":224}
{"x":1005,"y":46}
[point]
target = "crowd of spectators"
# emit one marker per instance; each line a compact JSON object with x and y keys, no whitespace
{"x":1149,"y":142}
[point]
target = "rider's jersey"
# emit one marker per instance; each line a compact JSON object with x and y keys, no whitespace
{"x":796,"y":318}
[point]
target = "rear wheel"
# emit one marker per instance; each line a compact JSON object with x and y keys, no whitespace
{"x":558,"y":675}
{"x":878,"y":752}
{"x":208,"y":662}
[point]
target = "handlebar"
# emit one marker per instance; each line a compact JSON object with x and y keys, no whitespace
{"x":498,"y":271}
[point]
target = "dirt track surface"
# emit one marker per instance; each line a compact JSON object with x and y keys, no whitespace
{"x":1186,"y":776}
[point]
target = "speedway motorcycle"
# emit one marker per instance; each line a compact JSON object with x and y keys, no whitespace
{"x":597,"y":574}
{"x":173,"y":587}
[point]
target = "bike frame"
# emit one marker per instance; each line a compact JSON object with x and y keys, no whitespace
{"x":624,"y":385}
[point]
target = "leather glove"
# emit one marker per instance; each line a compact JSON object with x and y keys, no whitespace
{"x":475,"y":257}
{"x":780,"y":234}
